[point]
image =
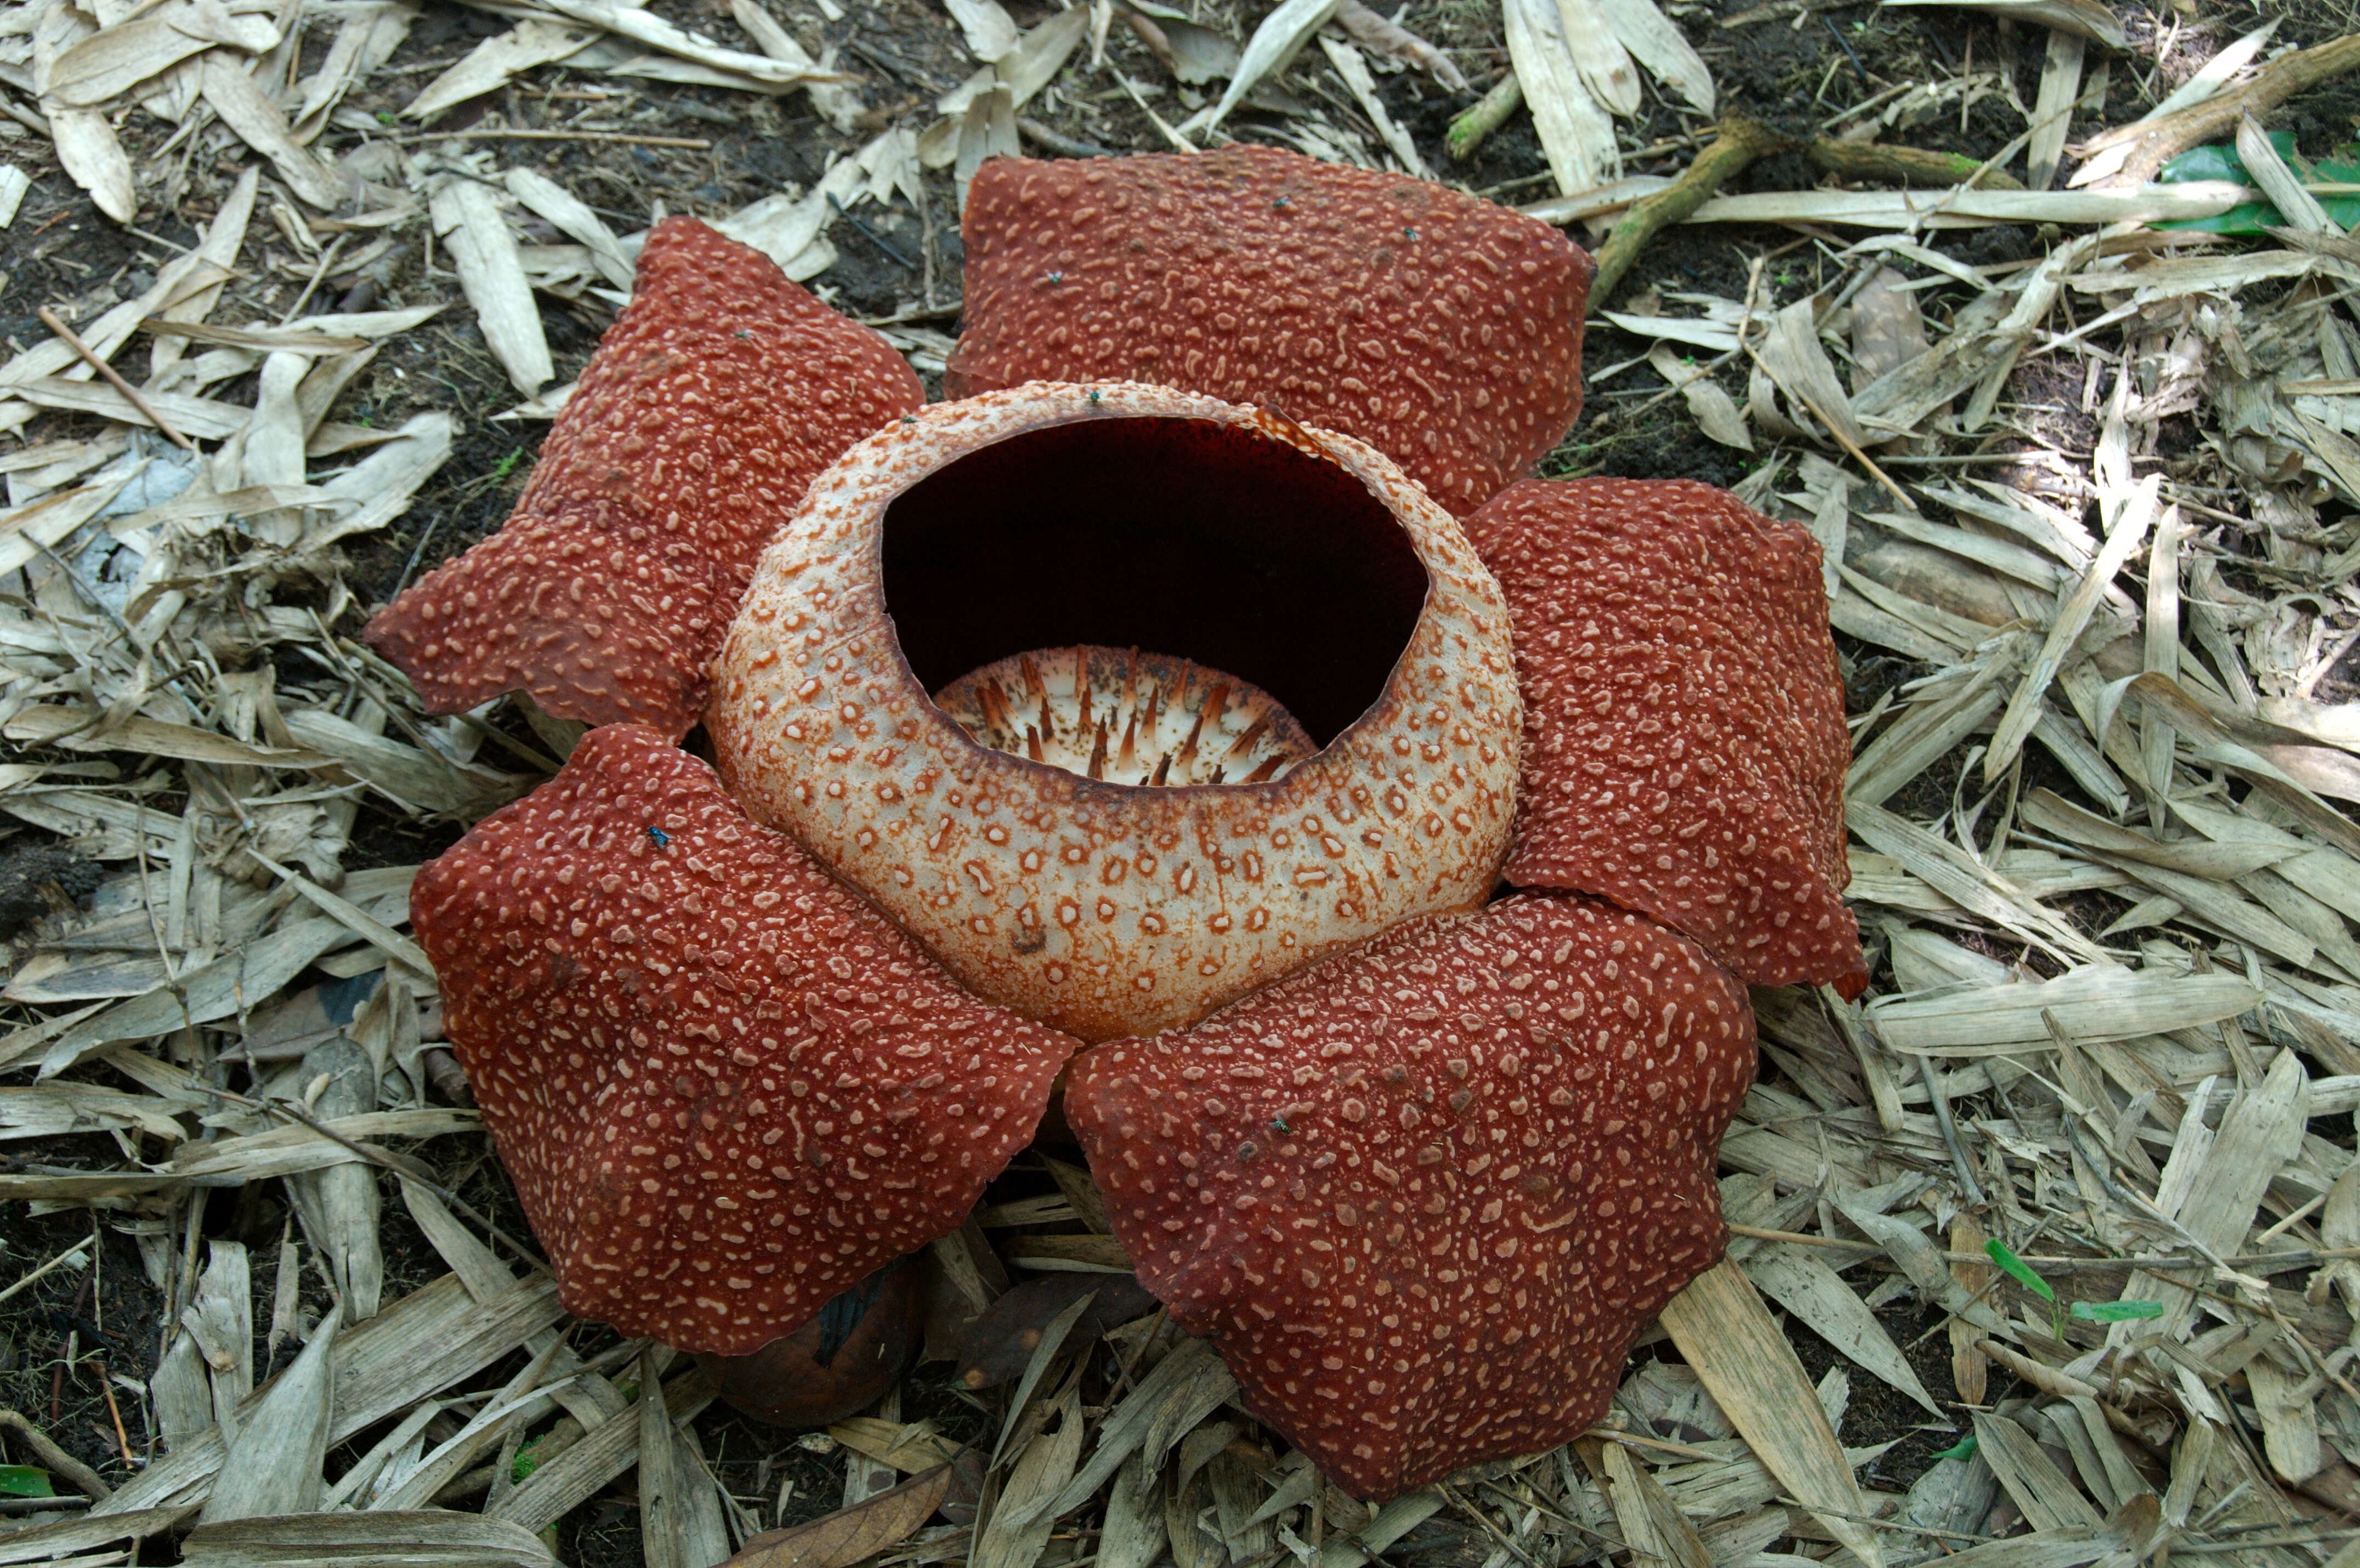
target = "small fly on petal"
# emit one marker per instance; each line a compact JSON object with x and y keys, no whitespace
{"x":658,"y":835}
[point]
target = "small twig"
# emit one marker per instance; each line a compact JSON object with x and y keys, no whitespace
{"x":1891,"y":1524}
{"x":2271,"y":1262}
{"x":2247,"y":1543}
{"x":2046,"y":1379}
{"x":81,"y":1476}
{"x":24,"y":116}
{"x":1803,"y":395}
{"x":1633,"y":1440}
{"x":59,"y":1261}
{"x":872,"y":235}
{"x":1844,"y":44}
{"x":2157,"y":141}
{"x":1778,"y":8}
{"x":1491,"y":1527}
{"x":1741,"y":140}
{"x":692,"y":144}
{"x":892,"y":65}
{"x":1057,"y":141}
{"x":73,"y":341}
{"x":122,"y":1437}
{"x":1179,"y":143}
{"x":1797,"y":1238}
{"x":1968,"y":1187}
{"x":914,"y":313}
{"x":318,"y":275}
{"x":417,"y":553}
{"x":1470,"y":126}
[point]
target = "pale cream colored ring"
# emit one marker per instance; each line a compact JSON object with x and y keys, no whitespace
{"x":1107,"y":909}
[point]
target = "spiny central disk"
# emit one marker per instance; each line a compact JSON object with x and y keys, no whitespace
{"x":1127,"y":717}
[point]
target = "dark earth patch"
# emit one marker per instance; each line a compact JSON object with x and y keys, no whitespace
{"x":1798,"y":70}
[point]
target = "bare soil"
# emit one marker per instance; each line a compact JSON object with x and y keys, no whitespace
{"x":1799,"y":69}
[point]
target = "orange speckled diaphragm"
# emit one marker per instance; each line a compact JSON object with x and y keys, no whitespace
{"x":978,"y":529}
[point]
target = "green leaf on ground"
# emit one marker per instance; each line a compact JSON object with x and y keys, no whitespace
{"x":24,"y":1481}
{"x":2219,"y":160}
{"x":2116,"y":1312}
{"x":2020,"y":1270}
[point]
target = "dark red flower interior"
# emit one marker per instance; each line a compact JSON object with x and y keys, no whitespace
{"x":1178,"y":536}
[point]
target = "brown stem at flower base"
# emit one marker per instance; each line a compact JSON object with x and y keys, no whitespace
{"x":839,"y":1363}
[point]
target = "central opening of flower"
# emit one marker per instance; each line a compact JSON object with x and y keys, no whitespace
{"x":1194,"y":577}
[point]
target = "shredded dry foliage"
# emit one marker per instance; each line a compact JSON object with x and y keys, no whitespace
{"x":2090,"y":536}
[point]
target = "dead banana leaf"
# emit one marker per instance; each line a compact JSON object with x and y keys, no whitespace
{"x":430,"y":1535}
{"x":1191,"y":54}
{"x":844,"y":1537}
{"x":988,"y":29}
{"x":2085,"y":18}
{"x":1660,"y":46}
{"x":495,"y":62}
{"x":1794,"y":357}
{"x":1652,"y":1522}
{"x":1274,"y":43}
{"x":1888,"y":328}
{"x":1605,"y":65}
{"x":1725,"y":1333}
{"x":1577,"y":135}
{"x":1377,"y":32}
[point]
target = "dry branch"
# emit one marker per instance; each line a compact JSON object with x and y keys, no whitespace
{"x":2154,"y":143}
{"x":1743,"y":139}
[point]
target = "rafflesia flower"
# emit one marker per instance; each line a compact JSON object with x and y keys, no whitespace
{"x":1199,"y":708}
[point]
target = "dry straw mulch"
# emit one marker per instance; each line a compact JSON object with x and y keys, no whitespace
{"x":2101,"y":513}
